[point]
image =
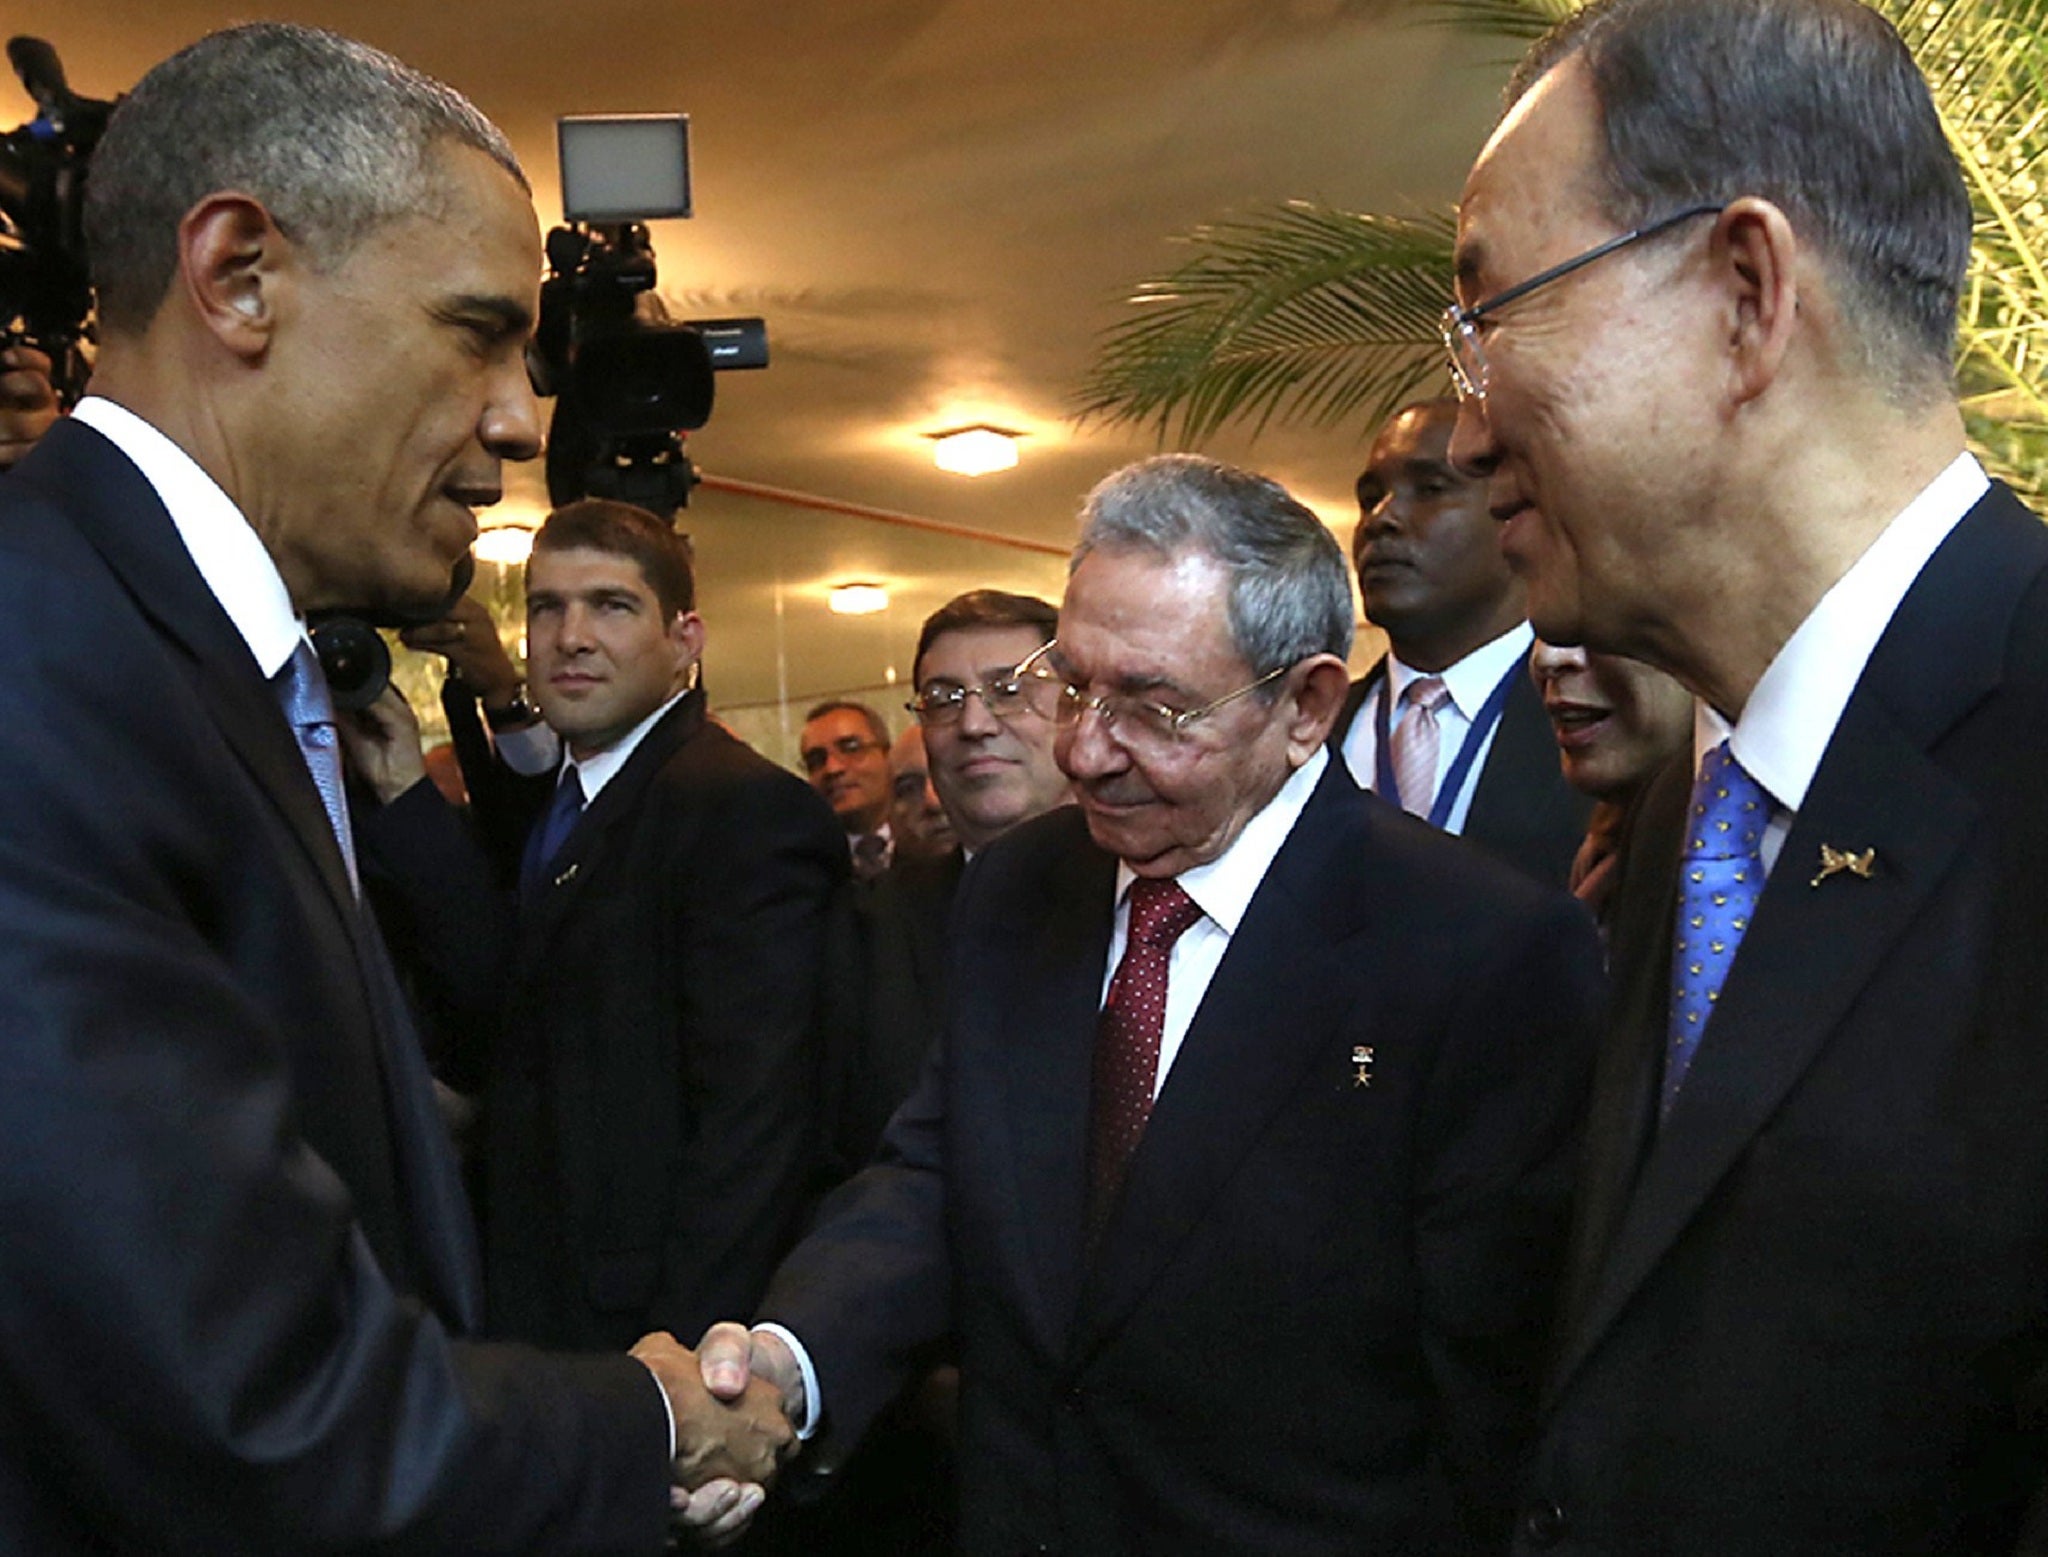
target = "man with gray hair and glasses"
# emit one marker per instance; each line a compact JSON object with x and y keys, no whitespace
{"x":1239,"y":1176}
{"x":1708,"y":272}
{"x":239,"y":1269}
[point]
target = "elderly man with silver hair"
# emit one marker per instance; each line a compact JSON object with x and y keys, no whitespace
{"x":240,"y":1274}
{"x":1239,"y":1176}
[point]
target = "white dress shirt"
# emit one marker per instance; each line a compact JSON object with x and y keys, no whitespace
{"x":1790,"y":718}
{"x":1223,"y":890}
{"x":1470,"y":682}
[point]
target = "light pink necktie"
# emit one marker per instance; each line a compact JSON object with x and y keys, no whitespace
{"x":1415,"y":743}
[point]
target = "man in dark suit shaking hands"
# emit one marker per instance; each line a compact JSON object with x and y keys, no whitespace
{"x":1239,"y":1174}
{"x":1708,"y":270}
{"x":239,"y":1268}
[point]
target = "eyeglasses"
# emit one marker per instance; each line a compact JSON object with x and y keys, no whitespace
{"x":1134,"y":722}
{"x":1460,"y":325}
{"x":1002,"y":695}
{"x":848,"y":746}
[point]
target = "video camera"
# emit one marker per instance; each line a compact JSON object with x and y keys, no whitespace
{"x":628,"y":382}
{"x":45,"y":291}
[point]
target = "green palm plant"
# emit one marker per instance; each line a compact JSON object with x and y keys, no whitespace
{"x":1328,"y":317}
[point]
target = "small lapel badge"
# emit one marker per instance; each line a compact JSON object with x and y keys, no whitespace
{"x":1835,"y":862}
{"x":566,"y":877}
{"x":1361,"y":1059}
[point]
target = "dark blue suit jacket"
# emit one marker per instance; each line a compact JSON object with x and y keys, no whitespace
{"x":1314,"y":1322}
{"x":1809,"y":1315}
{"x":237,"y":1259}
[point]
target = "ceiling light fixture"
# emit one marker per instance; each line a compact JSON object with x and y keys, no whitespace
{"x":508,"y":545}
{"x":975,"y":451}
{"x":858,"y":599}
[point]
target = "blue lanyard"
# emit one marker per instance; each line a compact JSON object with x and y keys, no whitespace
{"x":1389,"y":788}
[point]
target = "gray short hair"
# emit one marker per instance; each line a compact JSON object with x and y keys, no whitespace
{"x":334,"y":137}
{"x":1814,"y":105}
{"x":1290,"y":593}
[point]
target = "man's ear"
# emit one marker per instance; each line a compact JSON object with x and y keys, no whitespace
{"x":1321,"y":683}
{"x":231,"y":257}
{"x":686,"y":633}
{"x":1758,"y":253}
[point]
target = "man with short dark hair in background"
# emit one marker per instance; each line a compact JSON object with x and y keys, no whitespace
{"x":1708,"y":273}
{"x":1447,"y":725}
{"x":845,"y":750}
{"x":647,"y":1028}
{"x":1241,"y":1174}
{"x":240,"y":1273}
{"x":989,"y":757}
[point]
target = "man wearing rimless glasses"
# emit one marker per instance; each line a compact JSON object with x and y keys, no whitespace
{"x":1239,"y":1176}
{"x":1708,"y":276}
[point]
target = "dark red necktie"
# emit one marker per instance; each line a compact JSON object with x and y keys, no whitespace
{"x":1127,"y":1039}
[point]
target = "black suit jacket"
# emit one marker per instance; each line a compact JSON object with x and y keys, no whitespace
{"x":649,"y":1062}
{"x":887,"y":999}
{"x":1313,"y":1322}
{"x":1523,"y":812}
{"x":1810,"y":1314}
{"x":237,"y":1257}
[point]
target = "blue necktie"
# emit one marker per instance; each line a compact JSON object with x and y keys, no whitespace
{"x":1723,"y":873}
{"x":554,"y":828}
{"x":302,"y":689}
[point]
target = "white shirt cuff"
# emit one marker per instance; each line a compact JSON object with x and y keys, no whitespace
{"x":814,"y":1407}
{"x":531,"y":751}
{"x":667,"y":1410}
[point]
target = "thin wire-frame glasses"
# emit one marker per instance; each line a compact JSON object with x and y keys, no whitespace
{"x":1128,"y":719}
{"x":1460,"y":325}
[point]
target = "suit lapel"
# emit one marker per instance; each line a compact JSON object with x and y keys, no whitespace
{"x":1814,"y":948}
{"x":1265,"y":1017}
{"x":1048,"y":1026}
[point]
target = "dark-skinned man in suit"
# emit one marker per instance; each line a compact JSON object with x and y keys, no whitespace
{"x":1240,"y":1173}
{"x":1708,"y":269}
{"x":1464,"y":742}
{"x":241,"y":1280}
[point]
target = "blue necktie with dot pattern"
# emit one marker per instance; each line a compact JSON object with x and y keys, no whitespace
{"x":1722,"y":875}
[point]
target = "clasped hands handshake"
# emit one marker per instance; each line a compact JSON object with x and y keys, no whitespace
{"x":736,"y":1401}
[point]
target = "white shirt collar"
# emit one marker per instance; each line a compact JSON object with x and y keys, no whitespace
{"x":1223,"y":888}
{"x":1790,"y":718}
{"x":600,"y":768}
{"x":224,"y":546}
{"x":1472,"y":679}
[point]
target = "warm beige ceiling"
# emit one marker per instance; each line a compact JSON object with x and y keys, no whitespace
{"x":936,"y":204}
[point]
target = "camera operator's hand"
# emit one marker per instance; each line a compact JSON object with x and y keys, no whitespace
{"x":28,"y":401}
{"x":382,"y":743}
{"x":469,"y":639}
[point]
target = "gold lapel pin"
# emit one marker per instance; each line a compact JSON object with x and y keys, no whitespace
{"x":1361,"y":1056}
{"x":1833,"y":862}
{"x":567,"y":876}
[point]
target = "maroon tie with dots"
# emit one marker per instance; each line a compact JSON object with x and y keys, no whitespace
{"x":1127,"y":1039}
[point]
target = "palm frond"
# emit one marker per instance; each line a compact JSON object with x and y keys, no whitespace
{"x":1299,"y":311}
{"x":1525,"y":20}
